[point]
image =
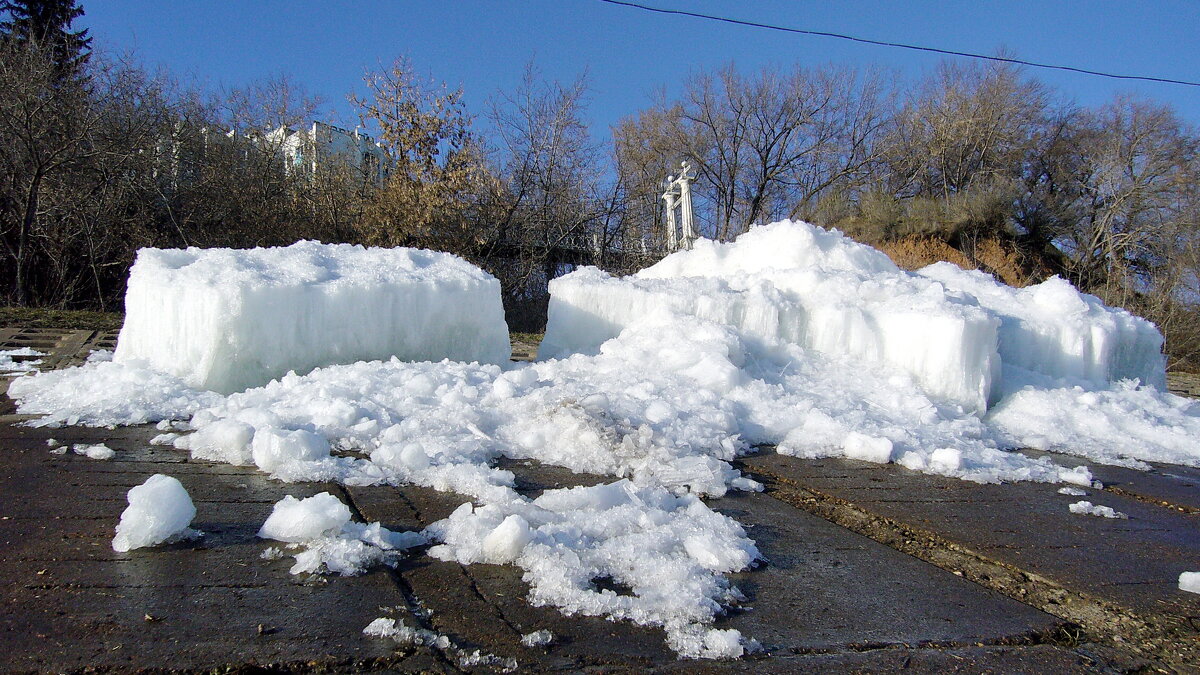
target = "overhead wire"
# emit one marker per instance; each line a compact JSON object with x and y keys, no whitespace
{"x":900,"y":45}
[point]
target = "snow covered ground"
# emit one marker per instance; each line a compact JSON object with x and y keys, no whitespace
{"x":792,"y":336}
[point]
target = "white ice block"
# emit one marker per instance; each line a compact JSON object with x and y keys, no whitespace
{"x":1053,"y":329}
{"x":226,"y":319}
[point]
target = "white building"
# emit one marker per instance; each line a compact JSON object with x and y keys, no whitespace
{"x":308,"y":149}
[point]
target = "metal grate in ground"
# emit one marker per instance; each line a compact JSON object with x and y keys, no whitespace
{"x":1184,"y":384}
{"x":62,"y":348}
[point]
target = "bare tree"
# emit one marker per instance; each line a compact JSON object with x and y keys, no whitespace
{"x":549,"y":198}
{"x":438,"y":170}
{"x":766,"y":146}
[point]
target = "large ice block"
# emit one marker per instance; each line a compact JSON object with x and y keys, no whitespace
{"x":1053,"y":329}
{"x":227,"y":319}
{"x":793,"y":282}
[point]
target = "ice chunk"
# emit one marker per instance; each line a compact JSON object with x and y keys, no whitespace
{"x":97,"y":451}
{"x":226,"y":320}
{"x":1072,"y":492}
{"x":1088,"y":508}
{"x":867,"y":448}
{"x":159,"y":510}
{"x":949,"y":329}
{"x":505,"y":543}
{"x":221,"y":440}
{"x":325,"y":540}
{"x":1053,"y":329}
{"x":538,"y":638}
{"x":1189,"y":581}
{"x":386,"y":627}
{"x":297,"y":520}
{"x":274,"y":448}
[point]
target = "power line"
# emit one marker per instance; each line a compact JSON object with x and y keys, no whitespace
{"x":900,"y":45}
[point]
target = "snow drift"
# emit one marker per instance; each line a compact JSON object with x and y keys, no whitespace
{"x":226,"y":320}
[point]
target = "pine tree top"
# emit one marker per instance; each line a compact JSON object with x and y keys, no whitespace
{"x":47,"y":23}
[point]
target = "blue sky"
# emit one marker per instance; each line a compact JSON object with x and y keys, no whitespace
{"x":483,"y":46}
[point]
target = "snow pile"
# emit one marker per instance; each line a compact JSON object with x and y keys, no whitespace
{"x":1189,"y":581}
{"x":792,"y":337}
{"x":1090,"y":509}
{"x":669,"y":552}
{"x":793,"y":282}
{"x":159,"y":510}
{"x":225,"y":320}
{"x":105,"y":394}
{"x":1126,"y":423}
{"x":10,"y":365}
{"x":326,"y":539}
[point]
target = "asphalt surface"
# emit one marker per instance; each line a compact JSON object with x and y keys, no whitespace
{"x":870,"y":568}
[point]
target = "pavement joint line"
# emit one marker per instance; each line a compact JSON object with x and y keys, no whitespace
{"x":1157,"y":638}
{"x":412,"y":604}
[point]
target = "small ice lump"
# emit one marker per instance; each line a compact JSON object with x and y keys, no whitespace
{"x":159,"y":510}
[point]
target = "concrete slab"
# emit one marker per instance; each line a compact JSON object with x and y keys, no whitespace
{"x":1131,"y":566}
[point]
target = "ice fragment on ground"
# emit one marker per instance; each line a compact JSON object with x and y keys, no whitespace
{"x":159,"y":510}
{"x":538,"y":638}
{"x":164,"y":439}
{"x":1073,"y":492}
{"x":325,"y":540}
{"x":297,"y":520}
{"x":226,"y":320}
{"x":97,"y":451}
{"x":669,"y":551}
{"x":867,"y":448}
{"x":386,"y":627}
{"x":105,"y":394}
{"x":10,"y":365}
{"x":481,"y":658}
{"x":1126,"y":423}
{"x":1190,"y":582}
{"x":1088,"y":508}
{"x":99,"y":355}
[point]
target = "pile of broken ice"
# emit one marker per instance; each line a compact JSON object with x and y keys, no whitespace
{"x":951,"y":330}
{"x":791,"y":336}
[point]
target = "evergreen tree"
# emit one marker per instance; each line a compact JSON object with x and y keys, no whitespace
{"x":47,"y":23}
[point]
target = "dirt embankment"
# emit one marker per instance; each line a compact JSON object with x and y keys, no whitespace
{"x":998,"y":257}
